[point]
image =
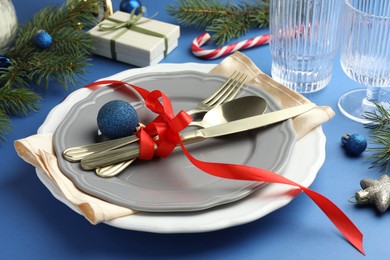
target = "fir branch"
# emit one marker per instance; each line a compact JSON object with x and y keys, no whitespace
{"x":199,"y":13}
{"x":18,"y":100}
{"x":379,"y":118}
{"x":225,"y":20}
{"x":5,"y":125}
{"x":260,"y":17}
{"x":33,"y":64}
{"x":379,"y":127}
{"x":63,"y":62}
{"x":13,"y":76}
{"x":58,"y":67}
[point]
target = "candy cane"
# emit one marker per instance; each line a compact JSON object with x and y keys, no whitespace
{"x":219,"y":52}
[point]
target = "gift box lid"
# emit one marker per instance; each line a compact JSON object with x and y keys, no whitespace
{"x":128,"y":41}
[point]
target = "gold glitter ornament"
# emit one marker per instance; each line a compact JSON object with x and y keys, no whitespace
{"x":103,"y":8}
{"x":375,"y":192}
{"x":79,"y":26}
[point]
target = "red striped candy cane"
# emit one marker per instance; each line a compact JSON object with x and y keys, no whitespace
{"x":222,"y":51}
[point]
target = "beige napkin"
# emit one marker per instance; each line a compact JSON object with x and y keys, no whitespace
{"x":38,"y":149}
{"x":284,"y":96}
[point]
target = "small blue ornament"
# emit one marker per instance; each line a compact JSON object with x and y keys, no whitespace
{"x":117,"y":119}
{"x":43,"y":40}
{"x":129,"y":5}
{"x":4,"y":61}
{"x":355,"y":144}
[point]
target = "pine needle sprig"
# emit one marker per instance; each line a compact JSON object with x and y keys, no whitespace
{"x":63,"y":62}
{"x":13,"y":76}
{"x":379,"y":119}
{"x":5,"y":125}
{"x":67,"y":41}
{"x":379,"y":127}
{"x":199,"y":13}
{"x":62,"y":70}
{"x":225,"y":20}
{"x":18,"y":100}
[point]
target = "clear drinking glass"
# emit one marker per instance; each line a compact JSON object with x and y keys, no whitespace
{"x":365,"y":55}
{"x":304,"y":42}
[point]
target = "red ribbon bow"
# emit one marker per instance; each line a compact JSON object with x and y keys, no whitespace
{"x":167,"y":127}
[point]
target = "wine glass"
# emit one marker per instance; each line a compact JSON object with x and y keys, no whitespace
{"x":365,"y":56}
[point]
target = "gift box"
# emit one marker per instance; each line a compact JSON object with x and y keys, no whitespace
{"x":134,"y":39}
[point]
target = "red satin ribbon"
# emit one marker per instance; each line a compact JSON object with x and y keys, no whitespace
{"x":167,"y":126}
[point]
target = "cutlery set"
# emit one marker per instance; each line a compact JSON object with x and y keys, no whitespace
{"x":222,"y":115}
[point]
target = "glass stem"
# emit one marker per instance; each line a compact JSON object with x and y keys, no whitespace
{"x":373,"y":94}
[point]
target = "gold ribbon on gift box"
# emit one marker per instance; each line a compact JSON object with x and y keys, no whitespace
{"x":130,"y":24}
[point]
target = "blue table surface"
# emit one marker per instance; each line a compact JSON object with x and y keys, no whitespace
{"x":33,"y":224}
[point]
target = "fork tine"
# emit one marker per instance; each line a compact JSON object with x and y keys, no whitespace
{"x":227,"y":90}
{"x":234,"y":91}
{"x":222,"y":89}
{"x":230,"y":92}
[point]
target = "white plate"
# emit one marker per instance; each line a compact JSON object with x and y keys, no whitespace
{"x":255,"y":206}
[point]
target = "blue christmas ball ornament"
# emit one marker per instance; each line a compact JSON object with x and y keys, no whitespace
{"x":4,"y":61}
{"x":117,"y":119}
{"x":129,"y":5}
{"x":43,"y":40}
{"x":355,"y":144}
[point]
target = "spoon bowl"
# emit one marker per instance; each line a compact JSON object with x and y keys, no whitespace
{"x":233,"y":110}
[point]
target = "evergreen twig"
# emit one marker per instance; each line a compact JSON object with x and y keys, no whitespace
{"x":5,"y":125}
{"x":379,"y":127}
{"x":225,"y":20}
{"x":64,"y":62}
{"x":32,"y":64}
{"x":18,"y":100}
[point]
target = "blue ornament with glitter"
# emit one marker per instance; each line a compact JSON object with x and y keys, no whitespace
{"x":354,"y":144}
{"x":129,"y":5}
{"x":4,"y":61}
{"x":116,"y":119}
{"x":43,"y":40}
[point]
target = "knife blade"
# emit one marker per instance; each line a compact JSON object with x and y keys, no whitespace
{"x":132,"y":151}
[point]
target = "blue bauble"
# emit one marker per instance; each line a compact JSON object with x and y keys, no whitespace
{"x":354,"y":144}
{"x":117,"y":119}
{"x":4,"y":61}
{"x":129,"y":5}
{"x":43,"y":40}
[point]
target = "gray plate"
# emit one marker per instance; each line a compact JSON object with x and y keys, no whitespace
{"x":173,"y":183}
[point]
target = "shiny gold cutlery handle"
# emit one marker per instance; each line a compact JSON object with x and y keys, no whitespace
{"x":128,"y":152}
{"x":75,"y":154}
{"x":98,"y":160}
